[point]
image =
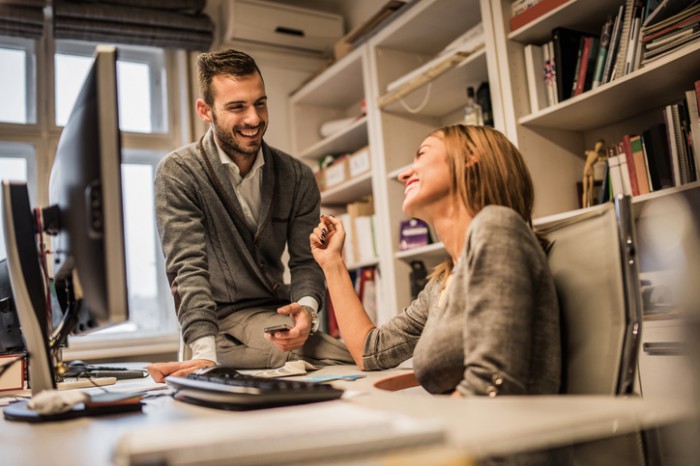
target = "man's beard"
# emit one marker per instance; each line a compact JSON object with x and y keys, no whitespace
{"x":228,"y":143}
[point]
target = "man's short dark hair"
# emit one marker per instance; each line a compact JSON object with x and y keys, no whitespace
{"x":223,"y":62}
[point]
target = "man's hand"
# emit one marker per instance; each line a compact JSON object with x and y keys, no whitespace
{"x":160,"y":370}
{"x":297,"y":335}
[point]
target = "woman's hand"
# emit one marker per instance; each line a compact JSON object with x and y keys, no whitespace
{"x":327,"y":240}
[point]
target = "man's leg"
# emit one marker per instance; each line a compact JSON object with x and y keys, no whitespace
{"x":322,"y":349}
{"x":241,"y":343}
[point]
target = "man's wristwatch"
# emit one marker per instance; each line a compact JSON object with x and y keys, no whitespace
{"x":313,"y":315}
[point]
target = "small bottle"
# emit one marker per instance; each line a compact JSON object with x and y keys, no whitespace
{"x":473,"y":114}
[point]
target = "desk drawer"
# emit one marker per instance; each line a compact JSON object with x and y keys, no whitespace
{"x":664,"y":369}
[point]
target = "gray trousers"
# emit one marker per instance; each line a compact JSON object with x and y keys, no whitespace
{"x":241,"y":343}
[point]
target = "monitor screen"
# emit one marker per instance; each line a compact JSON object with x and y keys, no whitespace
{"x":84,"y":216}
{"x":85,"y":187}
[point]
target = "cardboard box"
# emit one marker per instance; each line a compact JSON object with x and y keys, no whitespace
{"x":359,"y":162}
{"x":13,"y":377}
{"x":337,"y":172}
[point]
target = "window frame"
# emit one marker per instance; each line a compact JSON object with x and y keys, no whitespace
{"x":44,"y":135}
{"x":28,"y":46}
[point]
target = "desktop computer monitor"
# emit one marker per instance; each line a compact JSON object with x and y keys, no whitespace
{"x":85,"y":217}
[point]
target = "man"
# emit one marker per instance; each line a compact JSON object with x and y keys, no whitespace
{"x":226,"y":207}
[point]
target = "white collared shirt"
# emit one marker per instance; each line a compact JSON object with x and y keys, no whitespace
{"x":248,"y":188}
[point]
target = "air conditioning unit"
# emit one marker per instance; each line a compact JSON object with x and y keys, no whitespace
{"x":278,"y":25}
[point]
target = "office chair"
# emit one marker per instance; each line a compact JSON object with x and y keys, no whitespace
{"x":594,"y":265}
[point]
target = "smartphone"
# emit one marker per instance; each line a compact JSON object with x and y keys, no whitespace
{"x":277,"y":328}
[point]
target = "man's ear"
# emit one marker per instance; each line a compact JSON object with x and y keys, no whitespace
{"x":203,"y":111}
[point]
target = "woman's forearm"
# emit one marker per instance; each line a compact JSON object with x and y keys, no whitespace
{"x":353,"y":321}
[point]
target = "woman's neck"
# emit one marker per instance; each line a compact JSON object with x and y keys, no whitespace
{"x":451,"y":228}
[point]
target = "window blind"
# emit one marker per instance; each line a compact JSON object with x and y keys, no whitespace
{"x":158,"y":23}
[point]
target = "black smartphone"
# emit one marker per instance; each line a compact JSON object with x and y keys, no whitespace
{"x":277,"y":328}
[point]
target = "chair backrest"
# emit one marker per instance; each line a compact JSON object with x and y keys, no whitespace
{"x":594,"y":265}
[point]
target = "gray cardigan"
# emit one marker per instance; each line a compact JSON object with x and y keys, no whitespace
{"x":217,"y":262}
{"x":497,"y":331}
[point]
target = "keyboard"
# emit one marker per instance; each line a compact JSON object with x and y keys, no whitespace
{"x":225,"y":388}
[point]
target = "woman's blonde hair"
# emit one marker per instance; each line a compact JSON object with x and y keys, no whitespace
{"x":485,"y":169}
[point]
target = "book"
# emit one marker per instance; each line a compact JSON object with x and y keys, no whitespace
{"x":633,"y":44}
{"x":364,"y":232}
{"x":536,"y":77}
{"x":673,"y":147}
{"x":617,"y":185}
{"x":666,"y":10}
{"x":658,"y":157}
{"x":349,"y":255}
{"x":640,"y":164}
{"x":550,"y":74}
{"x":333,"y":329}
{"x":653,"y":8}
{"x":614,"y":45}
{"x":680,"y":115}
{"x":367,"y":292}
{"x":361,"y":251}
{"x":483,"y":98}
{"x":691,"y":104}
{"x":625,"y":32}
{"x":566,"y":44}
{"x":579,"y":60}
{"x":587,"y":67}
{"x":626,"y":152}
{"x":535,"y":11}
{"x":601,"y":58}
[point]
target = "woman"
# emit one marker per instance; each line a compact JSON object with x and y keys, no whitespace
{"x":487,"y":323}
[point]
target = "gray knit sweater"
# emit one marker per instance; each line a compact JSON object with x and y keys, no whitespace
{"x":497,"y":330}
{"x":217,"y":262}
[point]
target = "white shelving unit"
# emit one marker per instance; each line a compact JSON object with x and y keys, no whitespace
{"x":393,"y":133}
{"x":396,"y":129}
{"x":553,"y":141}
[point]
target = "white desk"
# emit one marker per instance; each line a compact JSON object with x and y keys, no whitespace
{"x":476,"y":426}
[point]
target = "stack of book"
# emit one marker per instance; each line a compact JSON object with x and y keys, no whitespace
{"x":663,"y":156}
{"x":367,"y":283}
{"x":360,"y":241}
{"x":660,"y":37}
{"x":573,"y":62}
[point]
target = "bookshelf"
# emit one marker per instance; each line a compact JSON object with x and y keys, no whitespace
{"x":553,"y":141}
{"x":666,"y":220}
{"x":417,"y":37}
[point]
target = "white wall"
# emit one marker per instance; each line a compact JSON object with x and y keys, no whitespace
{"x":284,"y":72}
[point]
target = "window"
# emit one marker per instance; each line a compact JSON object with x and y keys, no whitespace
{"x":17,"y":81}
{"x":17,"y":164}
{"x":26,"y":153}
{"x":148,"y":289}
{"x":140,"y":77}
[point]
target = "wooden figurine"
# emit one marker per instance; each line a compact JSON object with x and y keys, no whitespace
{"x":592,"y":156}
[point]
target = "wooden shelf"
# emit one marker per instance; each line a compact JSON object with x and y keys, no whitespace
{"x":336,"y":86}
{"x":424,"y":28}
{"x":394,"y":174}
{"x":451,"y":86}
{"x":433,"y":251}
{"x":583,"y":15}
{"x":359,"y":265}
{"x":631,"y":95}
{"x":346,"y":141}
{"x":349,"y":191}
